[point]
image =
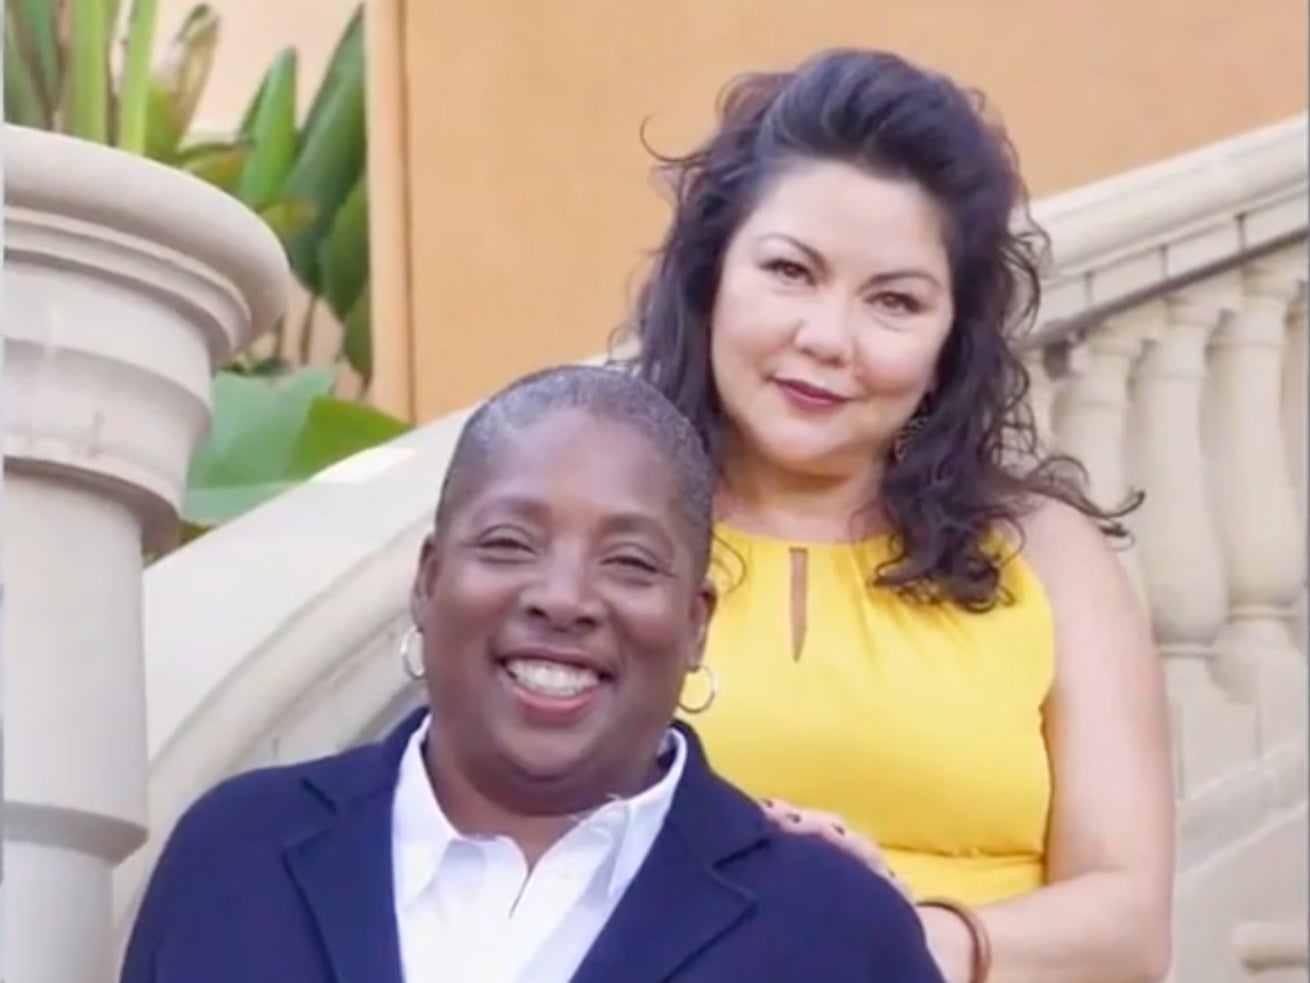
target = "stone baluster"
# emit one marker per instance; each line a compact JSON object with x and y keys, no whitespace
{"x":1296,"y":411}
{"x":1296,"y":407}
{"x":1041,"y":395}
{"x":1178,"y":547}
{"x":1255,"y":505}
{"x":1091,"y":411}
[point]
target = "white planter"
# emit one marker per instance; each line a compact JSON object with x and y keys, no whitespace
{"x":126,"y":284}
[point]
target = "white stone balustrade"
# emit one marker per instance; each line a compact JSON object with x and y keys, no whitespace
{"x":1185,"y":397}
{"x":1192,"y":396}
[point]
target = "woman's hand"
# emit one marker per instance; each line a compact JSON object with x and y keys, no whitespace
{"x":826,"y":826}
{"x":947,"y":936}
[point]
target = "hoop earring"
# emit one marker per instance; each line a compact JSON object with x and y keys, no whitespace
{"x":415,"y":673}
{"x":710,"y":697}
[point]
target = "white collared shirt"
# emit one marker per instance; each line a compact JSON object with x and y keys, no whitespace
{"x":468,"y":909}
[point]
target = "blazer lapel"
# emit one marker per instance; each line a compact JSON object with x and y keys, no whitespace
{"x":709,"y":823}
{"x":343,"y":866}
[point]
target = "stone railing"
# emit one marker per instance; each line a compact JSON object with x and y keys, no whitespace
{"x":1169,"y":355}
{"x":1177,"y":365}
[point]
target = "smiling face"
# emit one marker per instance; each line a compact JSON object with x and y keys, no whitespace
{"x":561,"y":606}
{"x":833,"y":305}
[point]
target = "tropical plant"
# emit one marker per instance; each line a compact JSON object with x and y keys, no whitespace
{"x":308,"y":182}
{"x":314,"y":182}
{"x":269,"y":435}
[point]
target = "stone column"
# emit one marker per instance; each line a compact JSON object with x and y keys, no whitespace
{"x":1260,"y":531}
{"x":125,"y":285}
{"x":1178,"y":546}
{"x":75,"y":774}
{"x":1091,"y":412}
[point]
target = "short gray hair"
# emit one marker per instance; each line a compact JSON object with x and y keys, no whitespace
{"x":609,"y":395}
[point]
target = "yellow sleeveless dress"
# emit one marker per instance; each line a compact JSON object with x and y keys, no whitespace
{"x":920,"y":725}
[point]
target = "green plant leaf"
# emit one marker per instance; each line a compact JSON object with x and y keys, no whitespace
{"x":267,"y":366}
{"x":271,"y":131}
{"x":252,"y":107}
{"x":337,"y":429}
{"x":357,"y":337}
{"x":24,"y":104}
{"x":340,"y":64}
{"x":193,"y":152}
{"x":287,"y":218}
{"x":191,"y":531}
{"x":86,"y":91}
{"x":217,"y":163}
{"x":112,"y":10}
{"x":269,"y":435}
{"x":33,"y":28}
{"x":331,"y":154}
{"x":343,"y":253}
{"x":134,"y":85}
{"x":179,"y":80}
{"x":247,"y":455}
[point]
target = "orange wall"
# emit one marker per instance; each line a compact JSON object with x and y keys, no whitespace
{"x":526,"y":200}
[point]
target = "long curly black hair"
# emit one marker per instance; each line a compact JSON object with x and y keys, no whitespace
{"x":975,"y":463}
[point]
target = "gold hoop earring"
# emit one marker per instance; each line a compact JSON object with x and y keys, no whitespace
{"x":414,"y":672}
{"x":713,"y":683}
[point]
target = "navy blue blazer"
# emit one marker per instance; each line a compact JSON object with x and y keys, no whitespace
{"x":284,"y":875}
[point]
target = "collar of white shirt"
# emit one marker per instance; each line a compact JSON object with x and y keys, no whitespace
{"x":421,"y":832}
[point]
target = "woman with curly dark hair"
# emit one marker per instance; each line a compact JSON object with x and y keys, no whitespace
{"x":925,"y":648}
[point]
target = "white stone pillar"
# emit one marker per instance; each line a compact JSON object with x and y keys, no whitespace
{"x":1259,"y":528}
{"x":125,"y":284}
{"x":1178,"y":547}
{"x":75,"y":774}
{"x":1091,"y":412}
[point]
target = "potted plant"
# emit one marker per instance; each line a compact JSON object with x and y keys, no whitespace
{"x":276,"y":418}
